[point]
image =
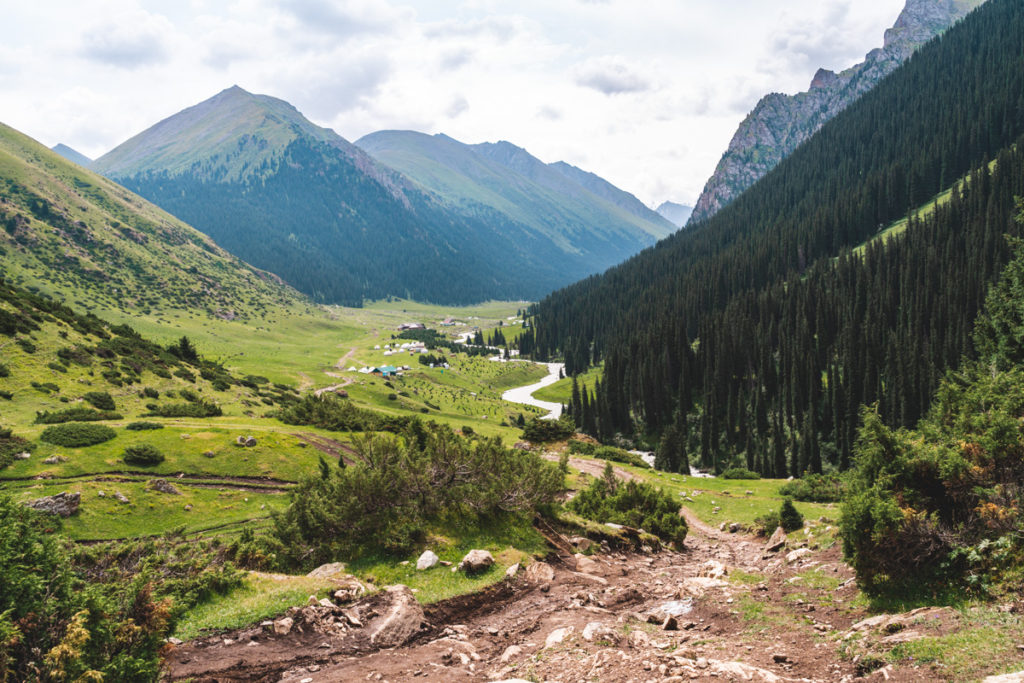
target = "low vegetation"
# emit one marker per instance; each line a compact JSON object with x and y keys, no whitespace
{"x":77,"y":434}
{"x":143,"y":454}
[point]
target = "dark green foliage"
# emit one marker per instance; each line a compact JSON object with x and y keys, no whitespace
{"x":339,"y":415}
{"x":815,"y":488}
{"x":77,"y":434}
{"x":142,"y":426}
{"x":26,"y":345}
{"x":185,"y":350}
{"x":6,"y":395}
{"x":149,"y":392}
{"x":11,"y":445}
{"x":57,"y":367}
{"x":197,"y":409}
{"x":143,"y":454}
{"x":45,"y":387}
{"x":545,"y":431}
{"x":189,"y":395}
{"x":739,"y":473}
{"x":45,"y":603}
{"x":75,"y":415}
{"x":584,"y":447}
{"x":790,"y":518}
{"x":397,"y":488}
{"x":100,"y":399}
{"x":619,"y":455}
{"x":762,"y":329}
{"x":634,"y":504}
{"x":4,"y":371}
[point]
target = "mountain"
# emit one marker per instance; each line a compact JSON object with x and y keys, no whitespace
{"x":677,"y":214}
{"x":849,"y":276}
{"x":303,"y":202}
{"x":72,"y":155}
{"x":75,"y":235}
{"x":780,"y":123}
{"x":591,"y":231}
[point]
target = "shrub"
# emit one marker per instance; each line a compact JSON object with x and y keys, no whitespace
{"x":11,"y":445}
{"x":582,"y":447}
{"x":189,"y":395}
{"x":632,"y":503}
{"x":815,"y":488}
{"x":4,"y":371}
{"x":142,"y":426}
{"x":544,"y":431}
{"x":790,"y":518}
{"x":767,"y":523}
{"x":100,"y":399}
{"x":75,"y":415}
{"x":198,"y":409}
{"x":58,"y":367}
{"x":149,"y":392}
{"x":143,"y":454}
{"x":6,"y":395}
{"x":77,"y":434}
{"x":620,"y":455}
{"x":740,"y":473}
{"x":336,"y":414}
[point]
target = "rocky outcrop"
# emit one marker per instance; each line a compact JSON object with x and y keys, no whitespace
{"x":63,"y":504}
{"x":403,"y":618}
{"x":780,"y":123}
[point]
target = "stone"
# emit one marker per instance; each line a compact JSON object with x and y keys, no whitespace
{"x":267,"y":626}
{"x":539,"y":572}
{"x":403,"y":618}
{"x":777,"y":542}
{"x":349,"y":588}
{"x":596,"y":631}
{"x":24,"y":455}
{"x":476,"y":561}
{"x":164,"y":486}
{"x":188,"y":507}
{"x":699,"y":585}
{"x":324,"y":602}
{"x":245,"y":441}
{"x":55,"y":460}
{"x":63,"y":504}
{"x":902,"y":637}
{"x":558,"y":635}
{"x":511,"y":572}
{"x":1006,"y":678}
{"x":797,"y":555}
{"x":428,"y":560}
{"x":120,"y":497}
{"x":585,"y":564}
{"x":283,"y":626}
{"x":638,"y":640}
{"x":581,"y":543}
{"x":327,"y":571}
{"x":510,"y":652}
{"x":712,"y":569}
{"x":734,"y":527}
{"x":521,"y":445}
{"x":208,"y":454}
{"x":101,"y":494}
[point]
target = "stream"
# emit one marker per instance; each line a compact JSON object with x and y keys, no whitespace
{"x":523,"y":396}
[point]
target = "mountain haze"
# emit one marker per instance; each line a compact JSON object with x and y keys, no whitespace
{"x":303,"y":202}
{"x":72,"y":155}
{"x":677,"y":214}
{"x":780,"y":123}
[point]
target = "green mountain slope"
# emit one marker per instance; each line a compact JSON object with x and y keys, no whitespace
{"x":299,"y":200}
{"x":544,"y":198}
{"x":757,"y":335}
{"x":81,"y":238}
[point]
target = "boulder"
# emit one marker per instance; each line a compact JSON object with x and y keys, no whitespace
{"x":777,"y":542}
{"x":327,"y":571}
{"x":1006,"y":678}
{"x":63,"y":504}
{"x":24,"y":455}
{"x":403,"y":618}
{"x":511,"y":572}
{"x":539,"y":572}
{"x":283,"y":627}
{"x":164,"y":486}
{"x":699,"y":585}
{"x":349,"y":588}
{"x":476,"y":561}
{"x":639,"y":640}
{"x":510,"y":652}
{"x":586,"y":565}
{"x":120,"y":497}
{"x":797,"y":555}
{"x":245,"y":441}
{"x":712,"y":569}
{"x":595,"y":630}
{"x":55,"y":460}
{"x":558,"y":635}
{"x":428,"y":560}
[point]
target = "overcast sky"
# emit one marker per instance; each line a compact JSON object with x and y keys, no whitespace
{"x":645,"y":93}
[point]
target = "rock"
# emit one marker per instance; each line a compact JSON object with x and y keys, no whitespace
{"x":403,"y":618}
{"x":797,"y":555}
{"x":267,"y":626}
{"x":55,"y":460}
{"x":581,"y":543}
{"x":638,"y":640}
{"x":521,"y":445}
{"x":1006,"y":678}
{"x":351,"y":618}
{"x":712,"y":569}
{"x":283,"y":626}
{"x":208,"y":454}
{"x":698,"y":586}
{"x":511,"y":572}
{"x":327,"y":571}
{"x":476,"y":561}
{"x":902,"y":637}
{"x":777,"y":542}
{"x":558,"y":635}
{"x":741,"y":672}
{"x":428,"y":560}
{"x":539,"y":572}
{"x":596,"y":631}
{"x":734,"y":527}
{"x":164,"y":486}
{"x":670,"y":624}
{"x":245,"y":441}
{"x":585,"y":564}
{"x":120,"y":497}
{"x":174,"y":641}
{"x":101,"y":494}
{"x":510,"y":652}
{"x":349,"y":588}
{"x":24,"y":455}
{"x":324,"y":602}
{"x":63,"y":504}
{"x":188,"y":507}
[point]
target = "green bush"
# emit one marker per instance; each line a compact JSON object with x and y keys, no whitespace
{"x":790,"y":518}
{"x":632,"y":503}
{"x":11,"y":445}
{"x":75,"y":415}
{"x":77,"y":434}
{"x":100,"y":399}
{"x":143,"y":454}
{"x":620,"y":455}
{"x":4,"y":371}
{"x":142,"y":426}
{"x":339,"y":415}
{"x":6,"y":395}
{"x":815,"y":488}
{"x":149,"y":392}
{"x":740,"y":473}
{"x":189,"y":395}
{"x":544,"y":431}
{"x":198,"y":409}
{"x":581,"y":447}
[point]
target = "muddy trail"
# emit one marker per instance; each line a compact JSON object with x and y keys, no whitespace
{"x":723,"y":608}
{"x":332,"y":447}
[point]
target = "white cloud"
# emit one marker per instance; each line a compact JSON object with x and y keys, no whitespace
{"x":611,"y":77}
{"x":130,"y":40}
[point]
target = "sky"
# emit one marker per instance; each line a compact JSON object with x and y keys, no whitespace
{"x":645,"y":93}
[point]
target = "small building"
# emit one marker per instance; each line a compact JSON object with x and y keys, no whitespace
{"x":411,"y":326}
{"x":385,"y":371}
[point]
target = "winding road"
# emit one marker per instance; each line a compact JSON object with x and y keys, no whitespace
{"x":524,"y":395}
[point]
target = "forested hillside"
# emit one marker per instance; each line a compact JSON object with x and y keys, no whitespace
{"x":762,"y":333}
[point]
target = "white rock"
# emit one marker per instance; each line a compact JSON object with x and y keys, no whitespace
{"x":797,"y":555}
{"x":512,"y":571}
{"x":428,"y":560}
{"x":283,"y":627}
{"x":558,"y":635}
{"x":510,"y":652}
{"x":540,"y":572}
{"x":476,"y":561}
{"x":1006,"y":678}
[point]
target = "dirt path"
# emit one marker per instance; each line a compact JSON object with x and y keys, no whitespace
{"x":744,"y":614}
{"x":594,"y":468}
{"x":332,"y":447}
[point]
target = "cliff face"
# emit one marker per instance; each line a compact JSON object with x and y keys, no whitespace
{"x":779,"y":123}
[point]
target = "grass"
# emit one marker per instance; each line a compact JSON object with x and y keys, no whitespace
{"x":561,"y":391}
{"x":261,"y":597}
